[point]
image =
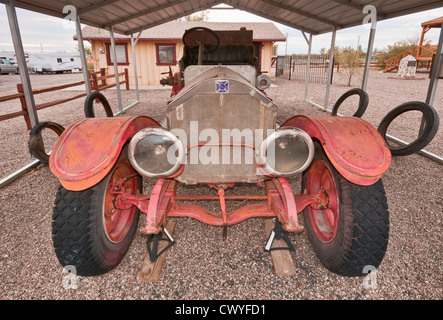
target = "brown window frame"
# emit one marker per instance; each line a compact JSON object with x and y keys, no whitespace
{"x":157,"y":56}
{"x":108,"y":54}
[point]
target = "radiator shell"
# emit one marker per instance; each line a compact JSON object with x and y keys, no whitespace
{"x":207,"y":111}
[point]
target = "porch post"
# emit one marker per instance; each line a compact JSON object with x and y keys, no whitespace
{"x":368,"y":58}
{"x":308,"y":65}
{"x":81,"y":48}
{"x":117,"y":80}
{"x":134,"y":62}
{"x":331,"y":67}
{"x":436,"y":70}
{"x":20,"y":55}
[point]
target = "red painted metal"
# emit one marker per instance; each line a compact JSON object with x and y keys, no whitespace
{"x":88,"y":149}
{"x":219,"y":144}
{"x":324,"y":219}
{"x":221,"y":194}
{"x":291,"y":221}
{"x":353,"y":146}
{"x":212,"y":218}
{"x":227,"y":197}
{"x":178,"y":83}
{"x":162,"y":203}
{"x":118,"y":219}
{"x":161,"y":200}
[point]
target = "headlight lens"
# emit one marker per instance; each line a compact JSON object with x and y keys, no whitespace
{"x":156,"y":153}
{"x":286,"y":152}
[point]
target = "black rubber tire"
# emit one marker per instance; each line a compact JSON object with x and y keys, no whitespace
{"x":89,"y":104}
{"x":363,"y":225}
{"x":78,"y":233}
{"x":362,"y":105}
{"x":35,"y":143}
{"x":428,"y":133}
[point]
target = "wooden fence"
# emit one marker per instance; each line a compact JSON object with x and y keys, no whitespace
{"x":97,"y":81}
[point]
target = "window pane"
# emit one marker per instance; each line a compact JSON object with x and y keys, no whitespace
{"x":120,"y":52}
{"x":166,"y":54}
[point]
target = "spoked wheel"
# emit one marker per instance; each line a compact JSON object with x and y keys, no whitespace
{"x":324,"y":221}
{"x":351,"y":232}
{"x":88,"y":232}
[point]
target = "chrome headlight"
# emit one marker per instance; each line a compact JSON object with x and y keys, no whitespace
{"x":156,"y":153}
{"x":285,"y":152}
{"x":263,"y":82}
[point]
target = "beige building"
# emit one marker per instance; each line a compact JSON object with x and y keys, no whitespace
{"x":161,"y":47}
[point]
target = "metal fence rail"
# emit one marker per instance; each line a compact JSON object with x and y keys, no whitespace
{"x":294,"y":67}
{"x":318,"y":70}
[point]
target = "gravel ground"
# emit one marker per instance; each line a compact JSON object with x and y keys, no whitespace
{"x":201,"y":265}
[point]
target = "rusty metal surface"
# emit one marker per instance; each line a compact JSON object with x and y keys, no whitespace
{"x":199,"y":108}
{"x":279,"y":202}
{"x":353,"y":146}
{"x":88,"y":149}
{"x":216,"y":72}
{"x":248,"y":72}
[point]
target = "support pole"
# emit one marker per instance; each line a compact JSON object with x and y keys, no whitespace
{"x":308,"y":64}
{"x":290,"y":67}
{"x":20,"y":55}
{"x":134,"y":62}
{"x":81,"y":48}
{"x":436,"y":69}
{"x":331,"y":66}
{"x":117,"y":80}
{"x":368,"y":58}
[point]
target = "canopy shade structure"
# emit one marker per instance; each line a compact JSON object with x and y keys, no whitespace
{"x":129,"y":17}
{"x":434,"y":23}
{"x":174,"y":30}
{"x":313,"y":16}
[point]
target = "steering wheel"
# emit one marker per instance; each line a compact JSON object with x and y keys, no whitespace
{"x":201,"y":36}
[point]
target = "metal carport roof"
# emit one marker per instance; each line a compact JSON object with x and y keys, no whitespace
{"x":313,"y":16}
{"x":132,"y":16}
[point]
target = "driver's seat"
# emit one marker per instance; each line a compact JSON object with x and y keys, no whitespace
{"x":235,"y":48}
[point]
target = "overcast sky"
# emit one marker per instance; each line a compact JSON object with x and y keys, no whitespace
{"x":50,"y":34}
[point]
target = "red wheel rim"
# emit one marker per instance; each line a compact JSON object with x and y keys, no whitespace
{"x":324,"y":221}
{"x":118,"y":222}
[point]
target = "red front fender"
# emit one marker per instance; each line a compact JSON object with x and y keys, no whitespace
{"x":88,"y":149}
{"x":353,"y":146}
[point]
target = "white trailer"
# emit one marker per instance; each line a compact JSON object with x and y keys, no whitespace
{"x":54,"y":62}
{"x":10,"y":55}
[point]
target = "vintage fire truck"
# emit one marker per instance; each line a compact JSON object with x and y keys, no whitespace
{"x":220,"y":130}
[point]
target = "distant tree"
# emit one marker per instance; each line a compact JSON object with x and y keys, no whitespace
{"x":88,"y":51}
{"x":413,"y":40}
{"x":398,"y":47}
{"x":350,"y":60}
{"x":200,"y":16}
